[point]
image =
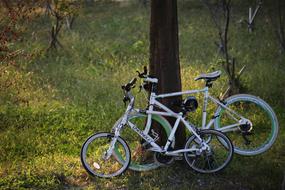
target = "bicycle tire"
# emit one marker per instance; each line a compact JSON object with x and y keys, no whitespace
{"x":95,"y":147}
{"x":213,"y":159}
{"x":260,"y":114}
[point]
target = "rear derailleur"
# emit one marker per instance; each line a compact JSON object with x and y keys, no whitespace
{"x":246,"y":130}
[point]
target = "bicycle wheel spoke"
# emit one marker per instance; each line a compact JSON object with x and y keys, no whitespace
{"x":255,"y":139}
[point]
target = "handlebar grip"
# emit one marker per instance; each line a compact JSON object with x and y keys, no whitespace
{"x":133,"y":81}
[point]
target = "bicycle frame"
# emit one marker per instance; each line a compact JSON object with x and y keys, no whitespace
{"x":179,"y":118}
{"x":205,"y":90}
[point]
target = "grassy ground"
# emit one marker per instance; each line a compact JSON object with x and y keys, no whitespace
{"x":51,"y":104}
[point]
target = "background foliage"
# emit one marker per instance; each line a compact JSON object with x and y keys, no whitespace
{"x":50,"y":102}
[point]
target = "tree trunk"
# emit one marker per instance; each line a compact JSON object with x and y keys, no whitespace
{"x":164,"y":55}
{"x":283,"y":183}
{"x":281,"y":23}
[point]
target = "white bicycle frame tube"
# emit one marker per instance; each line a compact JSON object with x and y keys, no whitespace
{"x":205,"y":90}
{"x":167,"y":112}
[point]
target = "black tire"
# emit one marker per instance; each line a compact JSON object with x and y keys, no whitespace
{"x":213,"y":159}
{"x":92,"y":153}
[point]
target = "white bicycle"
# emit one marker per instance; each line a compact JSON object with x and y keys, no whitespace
{"x":248,"y":120}
{"x":108,"y":154}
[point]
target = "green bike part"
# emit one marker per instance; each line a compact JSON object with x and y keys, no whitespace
{"x":146,"y":167}
{"x":264,"y":106}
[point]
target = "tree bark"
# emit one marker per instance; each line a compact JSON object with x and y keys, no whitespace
{"x":281,"y":23}
{"x":283,"y":183}
{"x":164,"y":55}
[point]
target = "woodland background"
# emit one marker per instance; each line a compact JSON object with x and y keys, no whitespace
{"x":61,"y":67}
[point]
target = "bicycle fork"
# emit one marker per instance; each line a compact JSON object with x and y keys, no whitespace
{"x":109,"y":152}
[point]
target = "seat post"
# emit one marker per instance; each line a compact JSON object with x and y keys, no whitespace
{"x":209,"y":83}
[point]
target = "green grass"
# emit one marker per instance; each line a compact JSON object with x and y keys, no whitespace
{"x":52,"y":103}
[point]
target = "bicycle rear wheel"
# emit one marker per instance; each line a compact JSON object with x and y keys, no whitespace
{"x":249,"y":141}
{"x":142,"y":158}
{"x":212,"y":159}
{"x":93,"y":155}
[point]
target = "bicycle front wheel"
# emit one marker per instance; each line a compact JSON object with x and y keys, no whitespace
{"x":212,"y":157}
{"x":247,"y":140}
{"x":94,"y":156}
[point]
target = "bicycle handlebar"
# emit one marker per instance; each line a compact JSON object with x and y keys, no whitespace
{"x":144,"y":73}
{"x":127,"y":87}
{"x":146,"y":78}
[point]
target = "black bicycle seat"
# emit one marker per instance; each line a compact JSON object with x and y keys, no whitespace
{"x":209,"y":76}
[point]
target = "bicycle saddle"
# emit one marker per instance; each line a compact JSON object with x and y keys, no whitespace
{"x":209,"y":76}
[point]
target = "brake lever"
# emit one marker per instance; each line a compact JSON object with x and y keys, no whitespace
{"x":144,"y":73}
{"x":141,"y":75}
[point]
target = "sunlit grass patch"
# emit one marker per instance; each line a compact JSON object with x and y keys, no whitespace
{"x":50,"y":104}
